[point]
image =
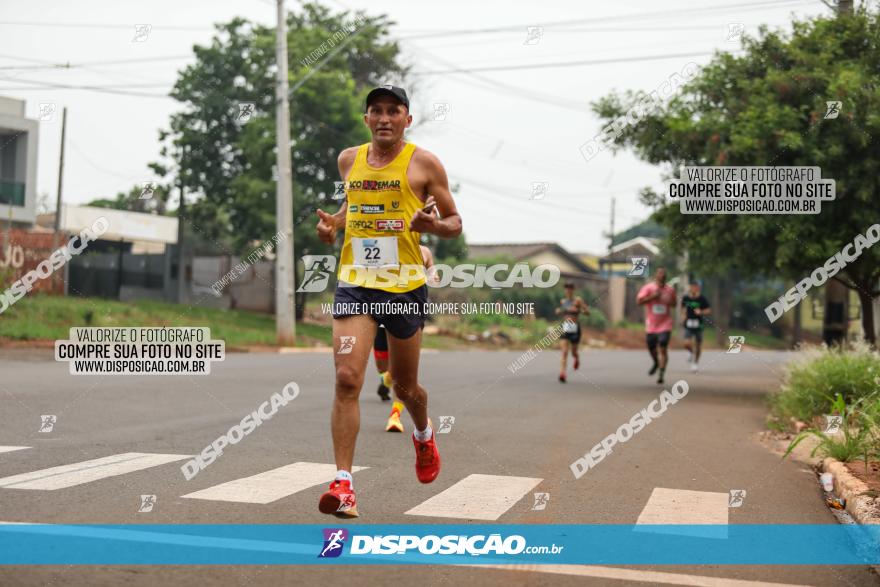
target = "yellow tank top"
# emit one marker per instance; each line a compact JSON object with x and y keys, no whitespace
{"x":379,"y":250}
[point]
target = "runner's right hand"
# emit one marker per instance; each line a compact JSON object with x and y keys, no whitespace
{"x":326,"y":227}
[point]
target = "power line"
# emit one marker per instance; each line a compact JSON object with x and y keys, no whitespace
{"x":511,"y":90}
{"x":568,"y":63}
{"x":489,"y":30}
{"x":103,"y":89}
{"x":507,"y":42}
{"x":16,"y":57}
{"x":583,"y":29}
{"x":528,"y":159}
{"x":614,"y":18}
{"x":90,"y":64}
{"x":90,"y":25}
{"x":136,"y":60}
{"x":508,"y":201}
{"x":98,"y":167}
{"x":522,"y":92}
{"x":635,"y":29}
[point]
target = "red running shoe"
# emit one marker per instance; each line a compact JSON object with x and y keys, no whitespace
{"x":427,"y":459}
{"x":339,"y":501}
{"x":577,"y":362}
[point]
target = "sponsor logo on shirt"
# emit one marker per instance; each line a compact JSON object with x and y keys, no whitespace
{"x":372,"y":208}
{"x":361,"y":224}
{"x":372,"y":185}
{"x":387,"y":224}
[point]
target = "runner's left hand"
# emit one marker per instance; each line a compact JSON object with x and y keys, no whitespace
{"x":424,"y":221}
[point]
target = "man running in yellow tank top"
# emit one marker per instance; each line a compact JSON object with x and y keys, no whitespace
{"x":392,"y":190}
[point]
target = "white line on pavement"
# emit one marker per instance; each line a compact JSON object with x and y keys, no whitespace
{"x":478,"y":497}
{"x":271,"y":485}
{"x":12,"y":448}
{"x":682,"y":506}
{"x":78,"y":473}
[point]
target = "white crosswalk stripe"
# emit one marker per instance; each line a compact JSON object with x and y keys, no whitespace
{"x":65,"y":476}
{"x":682,"y":506}
{"x":477,"y":497}
{"x":685,"y":512}
{"x":12,"y":448}
{"x":271,"y":485}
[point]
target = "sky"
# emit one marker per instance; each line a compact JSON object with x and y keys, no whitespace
{"x":514,"y":118}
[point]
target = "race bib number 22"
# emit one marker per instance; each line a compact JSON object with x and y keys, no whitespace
{"x":375,"y":252}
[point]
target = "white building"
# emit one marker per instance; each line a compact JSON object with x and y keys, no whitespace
{"x":18,"y":163}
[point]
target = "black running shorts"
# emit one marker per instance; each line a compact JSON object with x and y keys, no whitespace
{"x":574,"y":337}
{"x":402,"y":314}
{"x":655,"y":338}
{"x":696,"y":333}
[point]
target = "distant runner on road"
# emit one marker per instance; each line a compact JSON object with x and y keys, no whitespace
{"x":696,"y":306}
{"x":392,"y":188}
{"x":659,"y":300}
{"x":570,"y":307}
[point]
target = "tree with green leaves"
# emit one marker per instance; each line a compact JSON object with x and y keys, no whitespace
{"x":224,"y":148}
{"x":137,"y":199}
{"x":767,"y":107}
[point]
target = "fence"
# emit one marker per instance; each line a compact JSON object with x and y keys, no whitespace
{"x":253,"y":289}
{"x":22,"y":251}
{"x":122,"y":276}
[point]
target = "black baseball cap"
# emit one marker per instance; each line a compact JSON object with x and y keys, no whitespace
{"x":387,"y":90}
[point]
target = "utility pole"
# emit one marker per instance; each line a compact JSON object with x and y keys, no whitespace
{"x":285,"y":319}
{"x":611,"y":238}
{"x":60,"y":170}
{"x":58,"y":197}
{"x":8,"y":239}
{"x":181,"y":255}
{"x":609,"y":269}
{"x":835,"y":320}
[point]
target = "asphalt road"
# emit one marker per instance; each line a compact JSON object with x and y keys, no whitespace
{"x":506,"y":425}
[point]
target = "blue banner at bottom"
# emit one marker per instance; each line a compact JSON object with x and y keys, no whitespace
{"x":225,"y":544}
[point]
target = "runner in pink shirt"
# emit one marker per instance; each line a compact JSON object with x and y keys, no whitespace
{"x":659,"y":300}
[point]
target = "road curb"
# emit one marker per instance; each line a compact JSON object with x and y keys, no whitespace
{"x":862,"y":507}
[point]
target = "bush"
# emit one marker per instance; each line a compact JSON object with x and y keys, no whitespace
{"x":6,"y":277}
{"x":859,"y":432}
{"x":597,"y":319}
{"x":812,"y":381}
{"x":546,"y":300}
{"x":485,"y":321}
{"x":870,"y":417}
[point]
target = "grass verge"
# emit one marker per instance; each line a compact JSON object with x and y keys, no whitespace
{"x":39,"y":317}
